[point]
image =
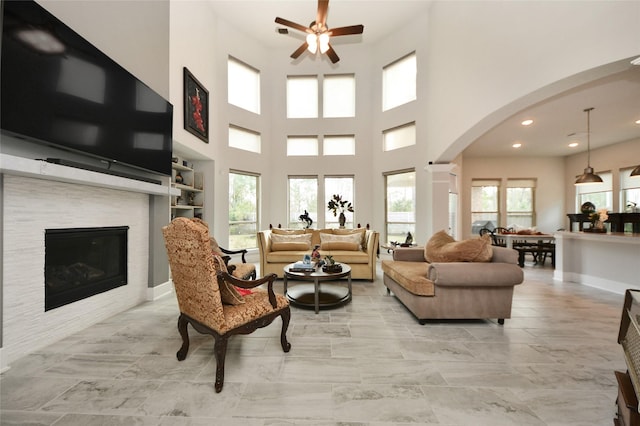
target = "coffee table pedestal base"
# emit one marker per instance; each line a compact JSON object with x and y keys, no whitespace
{"x":329,"y":296}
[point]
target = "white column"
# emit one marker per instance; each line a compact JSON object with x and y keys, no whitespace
{"x":438,"y":185}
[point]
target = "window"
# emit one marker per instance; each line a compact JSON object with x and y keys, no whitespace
{"x":399,"y":82}
{"x":244,"y":139}
{"x":520,"y":203}
{"x":303,"y":195}
{"x":400,"y":205}
{"x":600,"y":194}
{"x":302,"y":145}
{"x":339,"y":145}
{"x":302,"y":97}
{"x":243,"y":209}
{"x":399,"y":137}
{"x":484,"y":204}
{"x":629,"y":194}
{"x":340,"y":185}
{"x":339,"y":96}
{"x":453,"y":205}
{"x":243,"y":88}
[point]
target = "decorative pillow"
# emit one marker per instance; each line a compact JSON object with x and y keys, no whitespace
{"x":340,"y":245}
{"x":228,"y":292}
{"x":287,"y":231}
{"x":290,"y":246}
{"x":305,"y":239}
{"x":361,"y":231}
{"x":333,"y":238}
{"x":472,"y":250}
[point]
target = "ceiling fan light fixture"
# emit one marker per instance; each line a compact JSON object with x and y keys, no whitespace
{"x":588,"y":176}
{"x":312,"y":43}
{"x":323,"y":41}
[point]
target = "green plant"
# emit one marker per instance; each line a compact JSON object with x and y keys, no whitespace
{"x":329,"y":260}
{"x":337,"y":204}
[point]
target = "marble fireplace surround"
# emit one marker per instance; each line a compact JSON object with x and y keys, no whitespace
{"x":36,"y":196}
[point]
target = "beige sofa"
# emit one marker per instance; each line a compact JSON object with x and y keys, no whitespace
{"x":453,"y":290}
{"x":361,"y":257}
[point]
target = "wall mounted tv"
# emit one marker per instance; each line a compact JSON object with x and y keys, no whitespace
{"x":59,"y":89}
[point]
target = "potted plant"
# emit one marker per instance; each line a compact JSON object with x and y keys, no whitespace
{"x":338,"y":205}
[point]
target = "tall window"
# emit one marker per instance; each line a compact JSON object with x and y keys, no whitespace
{"x":339,"y":96}
{"x":338,"y":185}
{"x":600,"y":194}
{"x":400,"y":206}
{"x":399,"y":82}
{"x":303,"y":195}
{"x":243,"y":209}
{"x":520,"y":203}
{"x":302,"y":96}
{"x":243,"y":88}
{"x":244,"y":139}
{"x":453,"y":205}
{"x":399,"y":137}
{"x":484,"y":204}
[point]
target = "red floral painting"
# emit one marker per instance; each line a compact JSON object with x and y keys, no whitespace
{"x":196,"y":107}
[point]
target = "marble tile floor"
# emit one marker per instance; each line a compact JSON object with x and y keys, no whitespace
{"x":367,"y":363}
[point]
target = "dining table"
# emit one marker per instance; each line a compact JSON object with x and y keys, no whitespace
{"x":510,"y":238}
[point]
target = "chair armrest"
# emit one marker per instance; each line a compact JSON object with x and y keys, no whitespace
{"x":267,"y":279}
{"x":409,"y":254}
{"x":475,"y":274}
{"x":243,"y":252}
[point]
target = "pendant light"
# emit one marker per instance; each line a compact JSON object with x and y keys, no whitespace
{"x":588,"y":176}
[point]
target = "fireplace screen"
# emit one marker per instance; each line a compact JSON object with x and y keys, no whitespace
{"x":82,"y":262}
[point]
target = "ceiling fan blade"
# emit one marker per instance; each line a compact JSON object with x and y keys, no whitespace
{"x":353,"y":29}
{"x":332,"y":55}
{"x":288,"y":23}
{"x":321,"y":17}
{"x":299,"y":50}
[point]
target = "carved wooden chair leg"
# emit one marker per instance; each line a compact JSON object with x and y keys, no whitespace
{"x":286,"y":316}
{"x":220,"y":350}
{"x":182,"y":329}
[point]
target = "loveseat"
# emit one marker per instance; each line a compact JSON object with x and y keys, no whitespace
{"x":356,"y":247}
{"x":463,"y":279}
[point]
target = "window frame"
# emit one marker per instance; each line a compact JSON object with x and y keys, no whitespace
{"x":233,"y":245}
{"x":388,"y":224}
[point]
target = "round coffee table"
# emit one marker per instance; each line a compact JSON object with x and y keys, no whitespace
{"x":316,"y":296}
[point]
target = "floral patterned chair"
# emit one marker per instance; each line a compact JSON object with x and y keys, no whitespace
{"x":208,"y":298}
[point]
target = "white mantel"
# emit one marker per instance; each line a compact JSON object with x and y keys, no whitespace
{"x":609,"y":261}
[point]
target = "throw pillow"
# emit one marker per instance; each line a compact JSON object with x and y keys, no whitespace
{"x":360,"y":231}
{"x":435,"y":244}
{"x":305,"y":239}
{"x":333,"y":238}
{"x":472,"y":250}
{"x":228,"y":292}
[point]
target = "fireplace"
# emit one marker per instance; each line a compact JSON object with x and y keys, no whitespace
{"x":82,"y":262}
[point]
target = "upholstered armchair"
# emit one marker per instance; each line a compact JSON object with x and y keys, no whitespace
{"x":208,"y":298}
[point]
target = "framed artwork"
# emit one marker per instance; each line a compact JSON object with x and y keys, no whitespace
{"x":196,"y":107}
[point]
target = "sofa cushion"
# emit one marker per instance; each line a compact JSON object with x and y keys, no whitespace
{"x":443,"y":248}
{"x":412,"y":276}
{"x":347,"y":238}
{"x":361,"y":231}
{"x":286,"y":242}
{"x":340,"y":245}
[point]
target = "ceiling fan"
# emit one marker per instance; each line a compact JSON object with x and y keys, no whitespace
{"x":318,"y":34}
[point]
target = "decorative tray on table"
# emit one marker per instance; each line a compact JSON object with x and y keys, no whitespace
{"x":332,"y":269}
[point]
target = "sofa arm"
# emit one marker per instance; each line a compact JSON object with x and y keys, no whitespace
{"x":475,"y":274}
{"x":409,"y":254}
{"x":504,"y":255}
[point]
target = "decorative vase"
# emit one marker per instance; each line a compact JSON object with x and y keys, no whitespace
{"x":342,"y":219}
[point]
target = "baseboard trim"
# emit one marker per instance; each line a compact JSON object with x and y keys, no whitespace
{"x":154,"y":293}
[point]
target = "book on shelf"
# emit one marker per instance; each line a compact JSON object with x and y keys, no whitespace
{"x":303,"y":267}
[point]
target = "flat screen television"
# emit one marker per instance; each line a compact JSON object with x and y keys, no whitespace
{"x":59,"y":89}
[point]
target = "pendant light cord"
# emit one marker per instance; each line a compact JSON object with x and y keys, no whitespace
{"x":588,"y":111}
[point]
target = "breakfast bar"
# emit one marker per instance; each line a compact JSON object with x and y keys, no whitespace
{"x":608,"y":261}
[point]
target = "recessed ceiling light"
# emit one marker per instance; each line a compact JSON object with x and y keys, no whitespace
{"x":573,"y":144}
{"x":637,"y":121}
{"x":517,"y":145}
{"x":527,"y":122}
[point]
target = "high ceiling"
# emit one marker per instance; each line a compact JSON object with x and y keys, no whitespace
{"x":615,"y":99}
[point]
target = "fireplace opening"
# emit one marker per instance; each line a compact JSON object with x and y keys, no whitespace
{"x":83,"y":262}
